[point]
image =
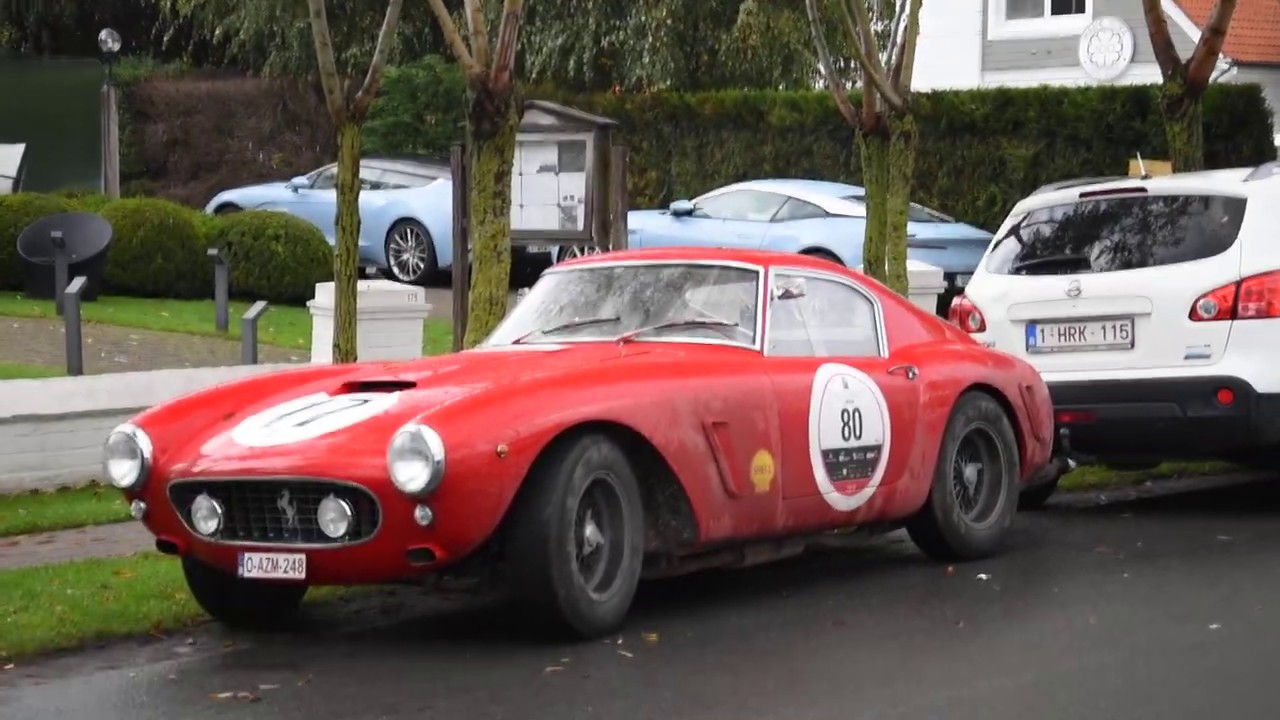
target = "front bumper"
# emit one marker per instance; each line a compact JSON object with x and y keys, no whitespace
{"x":1166,"y":419}
{"x":386,"y":544}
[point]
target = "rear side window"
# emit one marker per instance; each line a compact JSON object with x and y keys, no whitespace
{"x":1118,"y":233}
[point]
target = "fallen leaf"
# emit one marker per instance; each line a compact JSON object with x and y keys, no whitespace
{"x":552,"y":669}
{"x":1225,"y":537}
{"x":305,"y":680}
{"x":191,"y":641}
{"x":268,"y":687}
{"x":951,"y":569}
{"x":564,"y":660}
{"x":10,"y":666}
{"x":122,"y":573}
{"x":1214,"y":626}
{"x":982,"y":577}
{"x":624,"y":653}
{"x":229,"y":644}
{"x":650,"y":637}
{"x":221,"y":695}
{"x":172,"y":677}
{"x":247,"y":696}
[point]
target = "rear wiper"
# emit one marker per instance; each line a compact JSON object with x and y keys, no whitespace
{"x":567,"y":326}
{"x":688,"y":322}
{"x":1050,"y":260}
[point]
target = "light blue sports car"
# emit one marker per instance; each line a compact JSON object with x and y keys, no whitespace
{"x":814,"y":217}
{"x":406,"y":211}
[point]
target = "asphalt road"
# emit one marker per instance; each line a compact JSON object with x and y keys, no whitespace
{"x":1159,"y":608}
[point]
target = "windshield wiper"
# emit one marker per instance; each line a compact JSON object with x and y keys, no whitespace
{"x":584,"y":322}
{"x":688,"y":322}
{"x":1050,"y":260}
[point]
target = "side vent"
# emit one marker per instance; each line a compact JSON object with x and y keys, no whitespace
{"x":376,"y":386}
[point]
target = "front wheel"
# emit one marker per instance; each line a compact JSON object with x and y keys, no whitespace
{"x":975,"y":484}
{"x":576,"y":542}
{"x":569,"y":252}
{"x":411,"y":253}
{"x":240,"y":603}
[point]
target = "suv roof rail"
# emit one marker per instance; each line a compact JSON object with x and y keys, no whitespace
{"x":1076,"y":182}
{"x":1264,"y":171}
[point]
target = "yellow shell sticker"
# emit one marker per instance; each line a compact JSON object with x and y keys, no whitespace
{"x":762,"y":471}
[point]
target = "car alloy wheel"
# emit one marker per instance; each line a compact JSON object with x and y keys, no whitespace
{"x":975,"y":474}
{"x":410,"y":254}
{"x":575,"y":251}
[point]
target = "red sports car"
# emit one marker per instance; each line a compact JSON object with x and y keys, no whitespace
{"x":638,"y":413}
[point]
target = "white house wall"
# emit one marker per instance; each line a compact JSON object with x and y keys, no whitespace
{"x":950,"y":45}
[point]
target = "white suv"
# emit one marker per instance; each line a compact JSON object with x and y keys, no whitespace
{"x":1151,"y":307}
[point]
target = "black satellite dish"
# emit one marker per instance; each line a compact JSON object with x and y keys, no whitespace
{"x":81,"y":238}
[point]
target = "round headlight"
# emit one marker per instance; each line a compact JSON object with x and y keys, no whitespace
{"x":206,"y":514}
{"x":415,"y":459}
{"x":126,"y":456}
{"x":334,"y":516}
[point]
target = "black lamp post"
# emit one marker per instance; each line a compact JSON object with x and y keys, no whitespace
{"x":109,"y":43}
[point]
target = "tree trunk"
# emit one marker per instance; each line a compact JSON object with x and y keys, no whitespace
{"x":346,"y":259}
{"x":491,"y":136}
{"x":888,"y":152}
{"x":1183,"y":127}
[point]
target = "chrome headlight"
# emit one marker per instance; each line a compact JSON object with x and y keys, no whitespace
{"x":126,"y":456}
{"x":415,"y":459}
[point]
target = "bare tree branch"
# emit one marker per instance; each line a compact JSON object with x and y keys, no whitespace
{"x":334,"y":97}
{"x":904,"y":68}
{"x":1208,"y":50}
{"x":473,"y":72}
{"x":386,"y":37}
{"x":863,"y":39}
{"x":895,"y":34}
{"x":834,"y":83}
{"x":477,"y":31}
{"x":1158,"y":28}
{"x":503,"y":69}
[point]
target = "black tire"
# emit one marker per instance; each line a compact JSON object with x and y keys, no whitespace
{"x":430,"y":264}
{"x":580,"y":476}
{"x":823,"y":255}
{"x":239,"y":603}
{"x":227,"y":209}
{"x":945,"y":529}
{"x":1035,"y":498}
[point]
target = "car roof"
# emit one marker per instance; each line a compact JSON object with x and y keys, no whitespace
{"x":1234,"y":180}
{"x":828,"y":195}
{"x":762,"y":258}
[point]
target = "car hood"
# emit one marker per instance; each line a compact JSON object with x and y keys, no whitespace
{"x":241,"y":428}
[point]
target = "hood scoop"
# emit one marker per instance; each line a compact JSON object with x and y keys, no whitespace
{"x":375,"y":386}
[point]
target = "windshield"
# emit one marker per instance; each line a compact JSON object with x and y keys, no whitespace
{"x":670,"y":302}
{"x":915,"y":212}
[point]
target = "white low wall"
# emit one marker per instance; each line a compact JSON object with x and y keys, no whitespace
{"x":51,"y":430}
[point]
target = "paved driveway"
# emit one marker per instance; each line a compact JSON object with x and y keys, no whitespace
{"x":1153,"y":608}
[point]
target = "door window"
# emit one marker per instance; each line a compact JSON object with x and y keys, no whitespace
{"x":794,"y":209}
{"x":752,"y":205}
{"x":815,"y":317}
{"x":1118,"y":233}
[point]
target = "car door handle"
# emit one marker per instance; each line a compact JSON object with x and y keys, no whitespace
{"x":910,"y":372}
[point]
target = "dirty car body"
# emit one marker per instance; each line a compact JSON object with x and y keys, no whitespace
{"x":639,"y":413}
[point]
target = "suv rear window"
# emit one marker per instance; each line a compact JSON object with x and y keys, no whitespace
{"x":1118,"y":233}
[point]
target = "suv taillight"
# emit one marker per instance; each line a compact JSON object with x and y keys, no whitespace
{"x":1252,"y":298}
{"x":966,"y":315}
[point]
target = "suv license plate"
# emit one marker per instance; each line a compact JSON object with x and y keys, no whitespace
{"x":1082,"y":335}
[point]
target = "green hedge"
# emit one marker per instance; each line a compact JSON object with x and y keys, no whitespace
{"x":17,"y":211}
{"x":159,"y":248}
{"x":273,"y":255}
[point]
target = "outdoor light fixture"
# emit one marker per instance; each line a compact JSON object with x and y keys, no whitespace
{"x":109,"y":44}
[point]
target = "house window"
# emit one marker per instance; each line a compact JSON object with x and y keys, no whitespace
{"x":1034,"y":19}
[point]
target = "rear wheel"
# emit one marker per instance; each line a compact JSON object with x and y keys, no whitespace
{"x":240,"y":603}
{"x":227,"y":209}
{"x":975,"y":484}
{"x":411,"y":253}
{"x":576,"y":542}
{"x":823,"y":255}
{"x":569,"y":252}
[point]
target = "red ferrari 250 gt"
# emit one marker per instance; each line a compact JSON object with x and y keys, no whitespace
{"x":638,"y":413}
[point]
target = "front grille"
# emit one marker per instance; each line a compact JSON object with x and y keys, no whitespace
{"x":255,"y":510}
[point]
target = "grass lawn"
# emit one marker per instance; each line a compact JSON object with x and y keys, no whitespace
{"x":16,"y":371}
{"x":61,"y":509}
{"x":55,"y":607}
{"x":1094,"y":477}
{"x":283,"y":326}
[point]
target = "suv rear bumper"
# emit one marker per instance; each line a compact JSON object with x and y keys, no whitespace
{"x":1166,"y":419}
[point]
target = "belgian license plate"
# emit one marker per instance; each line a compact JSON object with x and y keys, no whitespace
{"x":538,"y":248}
{"x":1080,"y":335}
{"x":272,"y":566}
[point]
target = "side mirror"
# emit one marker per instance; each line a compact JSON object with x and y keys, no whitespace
{"x":681,"y":208}
{"x":299,"y":182}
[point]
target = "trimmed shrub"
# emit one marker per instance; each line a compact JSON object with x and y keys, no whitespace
{"x":273,"y":256}
{"x":85,"y":200}
{"x":156,"y":250}
{"x":17,"y":211}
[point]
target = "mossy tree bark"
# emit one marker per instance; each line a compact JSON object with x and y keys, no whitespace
{"x":491,"y":136}
{"x":346,"y":255}
{"x":1184,"y":83}
{"x":888,"y":155}
{"x":348,"y":109}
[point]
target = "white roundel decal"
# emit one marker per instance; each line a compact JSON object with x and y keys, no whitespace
{"x":309,"y":417}
{"x":849,"y":435}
